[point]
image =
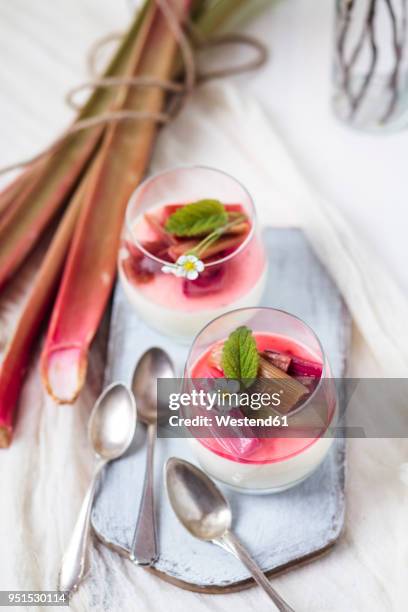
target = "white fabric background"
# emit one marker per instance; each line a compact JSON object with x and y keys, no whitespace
{"x":44,"y":474}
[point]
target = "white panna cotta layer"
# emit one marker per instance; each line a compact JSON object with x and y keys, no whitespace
{"x":263,"y":477}
{"x":184,"y":324}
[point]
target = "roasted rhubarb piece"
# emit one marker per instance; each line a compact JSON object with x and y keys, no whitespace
{"x":181,"y":248}
{"x":138,"y":267}
{"x":209,"y":281}
{"x":280,"y":360}
{"x":295,"y":366}
{"x":138,"y":270}
{"x":306,"y":372}
{"x":234,"y":209}
{"x":216,"y":355}
{"x":310,"y":382}
{"x":239,"y":447}
{"x":159,"y":229}
{"x":215,"y":250}
{"x":91,"y":266}
{"x":243,"y":442}
{"x":239,"y":229}
{"x":169,"y":210}
{"x":272,"y":379}
{"x":304,"y":367}
{"x":157,"y":248}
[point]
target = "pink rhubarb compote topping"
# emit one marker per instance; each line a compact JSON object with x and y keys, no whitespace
{"x":218,"y":285}
{"x":292,"y":360}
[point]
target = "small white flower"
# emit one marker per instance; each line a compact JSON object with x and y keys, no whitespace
{"x":187,"y":266}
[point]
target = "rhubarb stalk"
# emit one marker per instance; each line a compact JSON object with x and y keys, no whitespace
{"x":91,"y":266}
{"x":13,"y":190}
{"x":17,"y":353}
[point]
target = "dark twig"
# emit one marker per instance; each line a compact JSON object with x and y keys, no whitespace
{"x":341,"y":44}
{"x":373,"y":61}
{"x":394,"y":79}
{"x":359,"y":45}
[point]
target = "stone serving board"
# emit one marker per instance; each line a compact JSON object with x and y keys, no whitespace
{"x":282,"y":530}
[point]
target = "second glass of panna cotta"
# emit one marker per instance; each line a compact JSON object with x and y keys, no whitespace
{"x":286,"y":358}
{"x":191,"y":250}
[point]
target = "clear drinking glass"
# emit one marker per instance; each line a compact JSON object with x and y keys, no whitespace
{"x":371,"y":64}
{"x":234,"y":277}
{"x":289,"y":451}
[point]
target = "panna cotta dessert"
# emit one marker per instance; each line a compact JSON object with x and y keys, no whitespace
{"x":280,"y":433}
{"x":191,"y":250}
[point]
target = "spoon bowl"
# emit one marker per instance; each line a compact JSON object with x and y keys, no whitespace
{"x":112,"y":422}
{"x":153,"y":364}
{"x":196,"y":500}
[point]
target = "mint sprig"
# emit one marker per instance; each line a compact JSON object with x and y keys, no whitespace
{"x":197,"y":219}
{"x":240,"y":358}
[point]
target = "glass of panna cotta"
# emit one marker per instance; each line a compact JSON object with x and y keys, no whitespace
{"x":191,"y":250}
{"x":272,"y":445}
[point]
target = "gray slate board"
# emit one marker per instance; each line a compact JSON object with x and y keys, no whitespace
{"x":279,"y":530}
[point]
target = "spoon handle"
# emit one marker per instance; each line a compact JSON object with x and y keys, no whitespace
{"x":144,"y":546}
{"x":233,"y":544}
{"x":74,"y":561}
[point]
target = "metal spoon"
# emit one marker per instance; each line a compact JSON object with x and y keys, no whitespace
{"x":111,"y":429}
{"x":205,"y":513}
{"x":153,"y":364}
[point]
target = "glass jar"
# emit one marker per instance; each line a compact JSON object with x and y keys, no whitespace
{"x":370,"y":89}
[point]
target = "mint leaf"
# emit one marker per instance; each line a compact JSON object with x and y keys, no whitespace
{"x":240,"y":358}
{"x":197,"y":219}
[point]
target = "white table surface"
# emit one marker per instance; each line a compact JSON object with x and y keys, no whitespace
{"x":42,"y":50}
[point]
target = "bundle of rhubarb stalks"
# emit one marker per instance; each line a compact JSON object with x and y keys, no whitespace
{"x":81,"y":190}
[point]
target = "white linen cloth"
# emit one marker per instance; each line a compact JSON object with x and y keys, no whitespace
{"x":46,"y":470}
{"x":44,"y":474}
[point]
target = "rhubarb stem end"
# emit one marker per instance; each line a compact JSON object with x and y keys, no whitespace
{"x":5,"y":436}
